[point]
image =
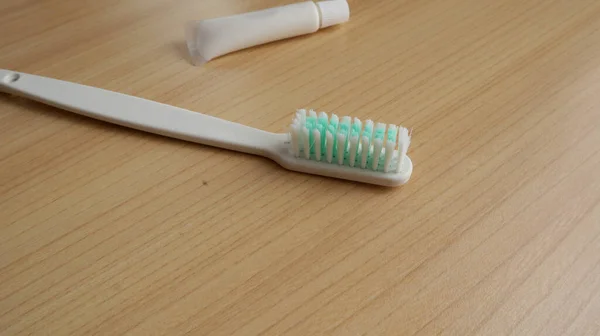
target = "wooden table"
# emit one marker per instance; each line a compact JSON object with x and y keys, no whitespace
{"x":105,"y":230}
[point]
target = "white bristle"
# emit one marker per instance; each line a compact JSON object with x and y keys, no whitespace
{"x":364,"y":151}
{"x":341,"y":147}
{"x":403,"y":143}
{"x":312,"y":113}
{"x":317,"y":137}
{"x":346,"y":120}
{"x":353,"y":149}
{"x":306,"y":143}
{"x":329,"y":146}
{"x":295,"y":135}
{"x":301,"y":116}
{"x":323,"y":115}
{"x":378,"y":144}
{"x":390,"y":145}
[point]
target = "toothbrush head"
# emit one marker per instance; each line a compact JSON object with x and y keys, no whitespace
{"x":349,"y":148}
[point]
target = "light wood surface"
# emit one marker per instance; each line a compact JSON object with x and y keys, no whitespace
{"x":105,"y":230}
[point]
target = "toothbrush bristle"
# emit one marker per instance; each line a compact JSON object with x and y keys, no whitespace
{"x":365,"y":151}
{"x":403,"y":143}
{"x":317,"y":137}
{"x":329,"y":144}
{"x":306,"y":143}
{"x":322,"y":137}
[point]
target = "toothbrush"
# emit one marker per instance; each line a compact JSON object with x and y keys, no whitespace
{"x":317,"y":143}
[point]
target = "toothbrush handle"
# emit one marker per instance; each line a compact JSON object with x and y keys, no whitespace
{"x":139,"y":113}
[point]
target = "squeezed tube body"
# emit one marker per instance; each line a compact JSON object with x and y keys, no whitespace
{"x":211,"y":38}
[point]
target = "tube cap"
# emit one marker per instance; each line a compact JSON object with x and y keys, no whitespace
{"x":333,"y":12}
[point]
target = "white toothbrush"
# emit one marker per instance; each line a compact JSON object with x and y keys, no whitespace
{"x":316,"y":144}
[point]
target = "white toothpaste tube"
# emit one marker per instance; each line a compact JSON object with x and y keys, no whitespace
{"x":211,"y":38}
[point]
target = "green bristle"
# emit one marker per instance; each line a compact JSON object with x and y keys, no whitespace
{"x":392,"y":133}
{"x":345,"y":126}
{"x":333,"y":124}
{"x":379,"y":132}
{"x":356,"y":128}
{"x":368,"y":131}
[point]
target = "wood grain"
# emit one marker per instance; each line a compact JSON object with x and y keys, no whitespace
{"x":105,"y":230}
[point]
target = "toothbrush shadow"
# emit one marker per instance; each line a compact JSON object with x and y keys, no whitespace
{"x":181,"y":49}
{"x":336,"y":183}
